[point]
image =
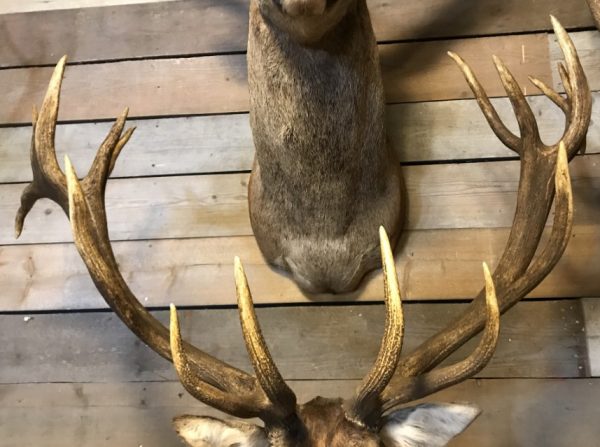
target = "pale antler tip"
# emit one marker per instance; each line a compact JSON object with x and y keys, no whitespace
{"x":382,"y":232}
{"x":498,"y":62}
{"x":174,"y":334}
{"x":490,"y":295}
{"x":69,"y":167}
{"x":556,"y":24}
{"x":486,"y":270}
{"x":237,"y":265}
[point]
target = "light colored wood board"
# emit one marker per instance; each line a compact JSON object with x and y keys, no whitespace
{"x":591,"y":311}
{"x":441,"y":264}
{"x":516,"y":412}
{"x":171,"y":28}
{"x":587,"y":44}
{"x":538,"y":339}
{"x":212,"y":84}
{"x":215,"y":84}
{"x":473,"y":195}
{"x":429,"y":131}
{"x":422,"y":71}
{"x":19,"y":6}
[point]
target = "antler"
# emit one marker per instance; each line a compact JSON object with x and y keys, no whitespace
{"x":544,"y":169}
{"x":227,"y":388}
{"x":366,"y":407}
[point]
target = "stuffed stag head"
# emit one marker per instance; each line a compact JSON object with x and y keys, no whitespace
{"x":365,"y":420}
{"x":371,"y":417}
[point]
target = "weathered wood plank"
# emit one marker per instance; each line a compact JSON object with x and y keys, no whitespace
{"x":430,"y":131}
{"x":443,"y":264}
{"x":516,"y":412}
{"x":591,"y":311}
{"x":20,"y":6}
{"x":215,"y":84}
{"x":309,"y":343}
{"x":171,"y":28}
{"x":474,"y":195}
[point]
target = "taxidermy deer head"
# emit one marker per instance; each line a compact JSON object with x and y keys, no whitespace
{"x":324,"y":176}
{"x":369,"y":418}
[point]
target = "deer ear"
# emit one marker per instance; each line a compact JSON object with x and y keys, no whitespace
{"x":200,"y":431}
{"x":427,"y":425}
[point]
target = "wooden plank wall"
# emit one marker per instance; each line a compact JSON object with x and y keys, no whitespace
{"x":72,"y":375}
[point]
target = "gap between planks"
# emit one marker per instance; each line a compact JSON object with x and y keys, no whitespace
{"x":537,"y":339}
{"x":412,"y":72}
{"x":516,"y":413}
{"x":159,"y":29}
{"x":419,"y":133}
{"x":438,"y":265}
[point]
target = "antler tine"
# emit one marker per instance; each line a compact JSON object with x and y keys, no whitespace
{"x":509,"y":139}
{"x":525,"y":117}
{"x":518,"y":271}
{"x":564,"y":77}
{"x":436,"y":380}
{"x":561,"y":102}
{"x":280,"y":395}
{"x":367,"y":403}
{"x":578,"y":92}
{"x":48,"y":179}
{"x":197,"y":387}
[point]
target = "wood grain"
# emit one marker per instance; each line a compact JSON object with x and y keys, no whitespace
{"x":196,"y":27}
{"x":591,"y":310}
{"x":516,"y":412}
{"x":441,"y":264}
{"x":218,"y":84}
{"x":419,"y":132}
{"x":474,"y":195}
{"x":308,"y":343}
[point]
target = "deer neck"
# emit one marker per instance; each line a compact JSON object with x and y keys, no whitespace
{"x":316,"y":110}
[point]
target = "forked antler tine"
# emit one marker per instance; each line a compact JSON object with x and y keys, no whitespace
{"x":436,"y":380}
{"x":528,"y":127}
{"x":367,"y":402}
{"x":240,"y":395}
{"x":269,"y":377}
{"x":48,"y":179}
{"x":561,"y":102}
{"x":509,"y":139}
{"x":577,"y":90}
{"x":201,"y":390}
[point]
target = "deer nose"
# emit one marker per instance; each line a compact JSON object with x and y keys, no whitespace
{"x":296,"y":8}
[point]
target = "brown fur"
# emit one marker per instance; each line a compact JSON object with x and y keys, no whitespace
{"x":324,"y":178}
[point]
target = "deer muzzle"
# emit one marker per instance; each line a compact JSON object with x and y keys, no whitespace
{"x":297,"y":8}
